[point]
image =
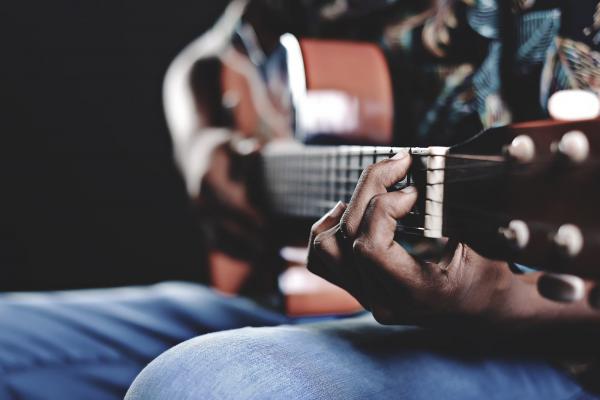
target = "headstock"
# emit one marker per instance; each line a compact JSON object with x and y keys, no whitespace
{"x":529,"y":193}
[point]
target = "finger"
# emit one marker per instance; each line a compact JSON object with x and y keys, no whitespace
{"x":325,"y":256}
{"x":374,"y":180}
{"x":327,"y":221}
{"x":379,"y":258}
{"x":375,"y":241}
{"x":332,"y":259}
{"x":380,"y":219}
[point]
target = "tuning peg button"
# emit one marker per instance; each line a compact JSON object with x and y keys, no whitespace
{"x":517,"y":233}
{"x":569,"y":240}
{"x":561,"y":288}
{"x":522,"y":149}
{"x":574,"y":145}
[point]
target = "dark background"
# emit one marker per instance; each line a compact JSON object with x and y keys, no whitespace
{"x":89,"y":193}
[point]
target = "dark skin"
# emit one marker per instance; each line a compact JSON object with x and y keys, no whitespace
{"x":353,"y":246}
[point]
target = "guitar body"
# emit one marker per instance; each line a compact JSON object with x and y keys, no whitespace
{"x":346,"y":98}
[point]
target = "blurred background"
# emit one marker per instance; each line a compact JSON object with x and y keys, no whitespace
{"x":89,"y":194}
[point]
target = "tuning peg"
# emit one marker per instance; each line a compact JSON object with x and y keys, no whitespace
{"x":569,"y":240}
{"x":521,"y":149}
{"x":574,"y":105}
{"x":517,"y":233}
{"x":574,"y":145}
{"x":561,"y":288}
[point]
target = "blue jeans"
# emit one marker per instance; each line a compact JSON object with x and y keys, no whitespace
{"x":91,"y":344}
{"x":350,"y":359}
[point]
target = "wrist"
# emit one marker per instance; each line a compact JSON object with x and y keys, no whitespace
{"x":507,"y":306}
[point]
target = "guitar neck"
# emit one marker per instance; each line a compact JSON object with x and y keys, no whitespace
{"x":307,"y":181}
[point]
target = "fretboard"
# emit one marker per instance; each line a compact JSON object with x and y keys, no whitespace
{"x":307,"y":181}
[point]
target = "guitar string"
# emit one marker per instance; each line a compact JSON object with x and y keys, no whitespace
{"x":469,"y":216}
{"x":321,"y":179}
{"x":592,"y":164}
{"x":474,"y":225}
{"x":330,"y":189}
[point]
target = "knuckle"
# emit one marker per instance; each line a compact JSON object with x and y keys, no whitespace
{"x":374,"y":169}
{"x":387,"y":173}
{"x":371,"y":172}
{"x":314,"y":229}
{"x":346,"y":229}
{"x":378,"y":203}
{"x":321,"y":242}
{"x":362,"y":247}
{"x":369,"y":169}
{"x":378,"y":172}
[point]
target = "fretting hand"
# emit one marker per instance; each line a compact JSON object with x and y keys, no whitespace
{"x":353,"y":246}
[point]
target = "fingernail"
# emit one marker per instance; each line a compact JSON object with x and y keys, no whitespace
{"x":400,"y":155}
{"x":409,"y":190}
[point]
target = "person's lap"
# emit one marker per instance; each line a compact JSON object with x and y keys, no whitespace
{"x":352,"y":359}
{"x":90,"y":344}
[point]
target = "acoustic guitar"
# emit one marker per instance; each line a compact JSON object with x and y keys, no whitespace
{"x":526,"y":193}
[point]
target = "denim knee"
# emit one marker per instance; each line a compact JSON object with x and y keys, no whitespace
{"x":249,"y":363}
{"x":341,"y":360}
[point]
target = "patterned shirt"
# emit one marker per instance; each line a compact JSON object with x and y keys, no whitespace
{"x":464,"y":65}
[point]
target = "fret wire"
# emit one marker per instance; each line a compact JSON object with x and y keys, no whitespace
{"x":332,"y":175}
{"x":348,"y":161}
{"x":360,"y":164}
{"x":339,"y":187}
{"x":313,"y":181}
